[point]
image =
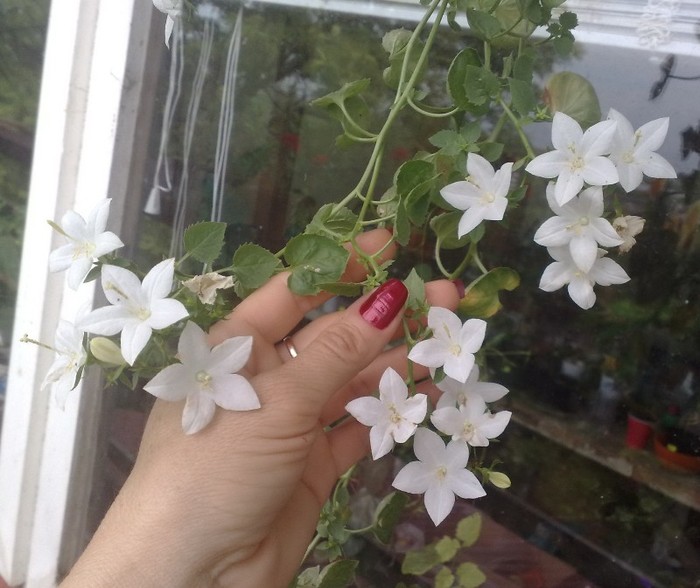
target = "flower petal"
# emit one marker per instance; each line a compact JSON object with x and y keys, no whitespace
{"x":471,"y":219}
{"x":107,"y":320}
{"x":581,"y":292}
{"x":381,"y":441}
{"x":652,"y":134}
{"x":135,"y":336}
{"x":428,"y":446}
{"x":555,"y":275}
{"x":234,"y":392}
{"x":198,"y":413}
{"x":553,"y":232}
{"x":439,"y":501}
{"x":565,"y":131}
{"x":547,"y":165}
{"x":656,"y":166}
{"x":460,"y":194}
{"x":120,"y":285}
{"x":172,"y":383}
{"x":414,"y":478}
{"x":368,"y":410}
{"x":495,"y":424}
{"x":166,"y":312}
{"x":598,"y":138}
{"x":480,"y":171}
{"x":466,"y":485}
{"x":430,"y":353}
{"x":458,"y":367}
{"x":600,"y":171}
{"x":158,"y":282}
{"x":231,"y":355}
{"x":584,"y":252}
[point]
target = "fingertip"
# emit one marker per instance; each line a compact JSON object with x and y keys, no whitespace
{"x":444,"y":293}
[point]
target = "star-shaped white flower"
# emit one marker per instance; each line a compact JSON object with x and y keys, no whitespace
{"x":580,"y":284}
{"x":88,"y":240}
{"x":393,"y":416}
{"x":482,"y":195}
{"x":633,"y":152}
{"x":456,"y":393}
{"x":579,"y":225}
{"x":472,"y":422}
{"x":206,"y":378}
{"x":70,"y":357}
{"x":578,"y":157}
{"x":452,"y":345}
{"x":173,"y":8}
{"x":206,"y":285}
{"x":137,"y":308}
{"x":628,"y":227}
{"x":440,"y":473}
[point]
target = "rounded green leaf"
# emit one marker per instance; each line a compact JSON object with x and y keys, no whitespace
{"x":574,"y":95}
{"x":481,"y":297}
{"x":470,"y":86}
{"x":470,"y":576}
{"x":387,"y":514}
{"x":469,"y":529}
{"x":313,"y":260}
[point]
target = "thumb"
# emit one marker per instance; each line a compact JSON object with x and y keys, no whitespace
{"x":346,"y":347}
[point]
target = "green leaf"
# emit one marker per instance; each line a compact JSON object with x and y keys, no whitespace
{"x":469,"y":529}
{"x":338,"y":574}
{"x":522,"y":96}
{"x":338,"y":97}
{"x":447,"y":548}
{"x":568,"y":20}
{"x":204,"y":240}
{"x":402,"y":225}
{"x":481,"y":297}
{"x":490,"y":151}
{"x":252,"y":266}
{"x":470,"y":576}
{"x":313,"y":260}
{"x":414,"y":182}
{"x":445,"y":228}
{"x":387,"y":514}
{"x":523,"y":67}
{"x":416,"y":290}
{"x":396,"y":44}
{"x":482,"y":24}
{"x":420,"y":561}
{"x":451,"y":142}
{"x":444,"y":578}
{"x":518,"y":194}
{"x":307,"y":579}
{"x":574,"y":95}
{"x":470,"y":85}
{"x":336,"y":224}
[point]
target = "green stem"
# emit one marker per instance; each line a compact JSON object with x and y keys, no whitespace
{"x":368,"y":135}
{"x":436,"y":113}
{"x":516,"y":123}
{"x":498,"y":127}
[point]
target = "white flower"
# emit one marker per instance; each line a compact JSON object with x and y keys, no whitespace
{"x":564,"y":271}
{"x":440,"y":473}
{"x":456,"y":393}
{"x":632,"y":151}
{"x":173,"y":8}
{"x":452,"y":345}
{"x":205,"y":378}
{"x":578,"y":225}
{"x":482,"y":195}
{"x":472,"y":422}
{"x":88,"y":241}
{"x":393,"y":416}
{"x":206,"y":285}
{"x":628,"y":227}
{"x":578,"y":157}
{"x":70,"y":357}
{"x":137,"y":308}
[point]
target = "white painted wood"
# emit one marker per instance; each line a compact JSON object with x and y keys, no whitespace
{"x":79,"y":112}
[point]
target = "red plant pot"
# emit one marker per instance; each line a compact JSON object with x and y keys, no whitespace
{"x":638,"y":432}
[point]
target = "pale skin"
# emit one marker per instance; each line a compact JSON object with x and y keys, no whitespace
{"x":237,"y":504}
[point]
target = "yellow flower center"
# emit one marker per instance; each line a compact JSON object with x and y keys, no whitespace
{"x":441,"y":473}
{"x":203,"y":379}
{"x":394,"y":415}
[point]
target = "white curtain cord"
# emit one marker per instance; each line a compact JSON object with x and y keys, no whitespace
{"x":174,"y":89}
{"x":190,"y":124}
{"x":223,"y":139}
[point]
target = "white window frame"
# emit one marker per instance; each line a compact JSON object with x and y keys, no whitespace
{"x":85,"y":125}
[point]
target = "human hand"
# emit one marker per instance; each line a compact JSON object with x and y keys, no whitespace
{"x":237,"y":503}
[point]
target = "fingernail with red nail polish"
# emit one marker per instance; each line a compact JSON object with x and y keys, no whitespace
{"x":384,"y":303}
{"x":459,"y":284}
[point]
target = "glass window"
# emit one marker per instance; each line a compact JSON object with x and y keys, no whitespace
{"x":22,"y":36}
{"x":585,"y":508}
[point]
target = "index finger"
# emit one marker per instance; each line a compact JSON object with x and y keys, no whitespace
{"x":274,"y":310}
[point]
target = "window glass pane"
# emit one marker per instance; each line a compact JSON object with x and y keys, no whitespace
{"x":585,"y":508}
{"x":22,"y":37}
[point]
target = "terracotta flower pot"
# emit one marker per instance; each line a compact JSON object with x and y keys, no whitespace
{"x":671,"y":457}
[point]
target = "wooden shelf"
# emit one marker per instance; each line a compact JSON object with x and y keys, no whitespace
{"x":607,"y":447}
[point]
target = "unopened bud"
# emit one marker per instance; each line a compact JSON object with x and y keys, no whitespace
{"x":106,"y":351}
{"x":499,"y":479}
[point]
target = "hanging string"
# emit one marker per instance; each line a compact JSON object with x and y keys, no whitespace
{"x":174,"y":89}
{"x":190,"y":124}
{"x":223,"y":139}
